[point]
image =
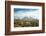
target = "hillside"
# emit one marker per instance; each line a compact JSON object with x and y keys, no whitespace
{"x":26,"y":22}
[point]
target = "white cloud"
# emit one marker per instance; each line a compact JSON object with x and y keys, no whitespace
{"x":34,"y":14}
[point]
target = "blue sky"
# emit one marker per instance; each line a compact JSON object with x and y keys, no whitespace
{"x":22,"y":12}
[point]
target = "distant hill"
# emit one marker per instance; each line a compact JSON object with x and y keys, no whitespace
{"x":27,"y":19}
